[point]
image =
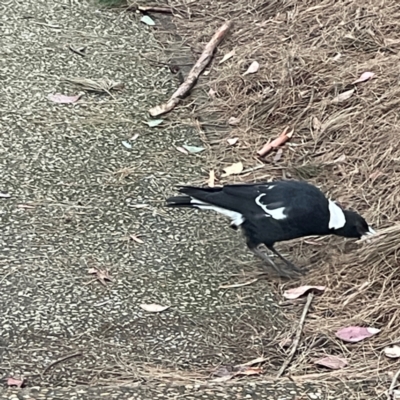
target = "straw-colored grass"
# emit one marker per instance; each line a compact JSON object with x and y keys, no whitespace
{"x":309,"y":52}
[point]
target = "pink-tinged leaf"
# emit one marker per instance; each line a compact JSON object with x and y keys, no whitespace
{"x":233,"y":121}
{"x":254,"y":66}
{"x":227,"y":56}
{"x":63,"y":99}
{"x":332,"y":362}
{"x":15,"y":382}
{"x":295,"y":293}
{"x":232,"y":141}
{"x":355,"y":334}
{"x":392,"y":351}
{"x":343,"y":96}
{"x":366,"y":76}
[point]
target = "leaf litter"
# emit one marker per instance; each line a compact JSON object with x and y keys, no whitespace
{"x":64,"y":99}
{"x":332,"y":362}
{"x":354,"y":334}
{"x":154,"y":122}
{"x":227,"y":56}
{"x":154,"y":308}
{"x":193,"y":149}
{"x":295,"y":293}
{"x":253,"y":68}
{"x":366,"y":76}
{"x":102,"y":275}
{"x":233,"y":169}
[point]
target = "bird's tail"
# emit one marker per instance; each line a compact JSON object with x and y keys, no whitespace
{"x":179,"y":201}
{"x":194,"y":196}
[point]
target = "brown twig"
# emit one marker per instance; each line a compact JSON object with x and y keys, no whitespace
{"x":194,"y":73}
{"x":154,"y":9}
{"x":390,"y":393}
{"x":61,"y":360}
{"x":296,"y":340}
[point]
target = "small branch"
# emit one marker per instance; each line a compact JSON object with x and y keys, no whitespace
{"x":390,"y":393}
{"x":194,"y":73}
{"x":154,"y":9}
{"x":296,"y":340}
{"x":61,"y":360}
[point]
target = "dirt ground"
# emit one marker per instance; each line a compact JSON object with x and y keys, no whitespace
{"x":80,"y":184}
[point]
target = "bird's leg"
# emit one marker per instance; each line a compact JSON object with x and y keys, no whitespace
{"x":264,"y":257}
{"x":287,"y":262}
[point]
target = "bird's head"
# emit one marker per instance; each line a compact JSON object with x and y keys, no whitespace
{"x":355,"y":226}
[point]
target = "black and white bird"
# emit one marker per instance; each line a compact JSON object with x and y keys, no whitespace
{"x":275,"y":211}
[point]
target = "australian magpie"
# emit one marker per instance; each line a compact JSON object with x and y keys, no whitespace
{"x":275,"y":211}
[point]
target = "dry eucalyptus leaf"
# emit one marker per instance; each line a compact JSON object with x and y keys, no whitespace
{"x":392,"y":351}
{"x":254,"y":66}
{"x":355,"y":334}
{"x":227,"y":56}
{"x":332,"y":362}
{"x":233,"y":121}
{"x":343,"y":96}
{"x":233,"y":169}
{"x":232,"y":141}
{"x":211,"y":179}
{"x":63,"y":99}
{"x":136,"y":239}
{"x":147,"y":20}
{"x":295,"y":293}
{"x":154,"y":308}
{"x":366,"y":76}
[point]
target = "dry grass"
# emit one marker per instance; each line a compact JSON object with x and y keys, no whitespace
{"x":310,"y":51}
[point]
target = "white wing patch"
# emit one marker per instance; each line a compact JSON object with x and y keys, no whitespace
{"x":277,"y":213}
{"x":337,"y":219}
{"x":237,"y":218}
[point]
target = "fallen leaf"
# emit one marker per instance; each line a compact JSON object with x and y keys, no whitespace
{"x":233,"y":121}
{"x":4,"y":195}
{"x":139,"y":205}
{"x":154,"y":308}
{"x":250,"y":371}
{"x":343,"y":96}
{"x":211,"y":179}
{"x":237,"y":285}
{"x":366,"y":76}
{"x":101,"y":275}
{"x":126,"y":144}
{"x":193,"y":149}
{"x":136,"y":239}
{"x":312,"y":242}
{"x":295,"y":293}
{"x":233,"y":169}
{"x":15,"y":382}
{"x":392,"y":351}
{"x":337,"y":56}
{"x":147,"y":20}
{"x":134,"y":137}
{"x":154,"y":122}
{"x":279,"y":141}
{"x":332,"y":362}
{"x":355,"y":334}
{"x":227,"y":56}
{"x":63,"y":99}
{"x":232,"y":141}
{"x":278,"y":155}
{"x":254,"y":66}
{"x":182,"y":150}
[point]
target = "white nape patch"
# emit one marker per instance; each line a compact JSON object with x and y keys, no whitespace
{"x":237,"y":218}
{"x":277,"y":213}
{"x":337,"y":219}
